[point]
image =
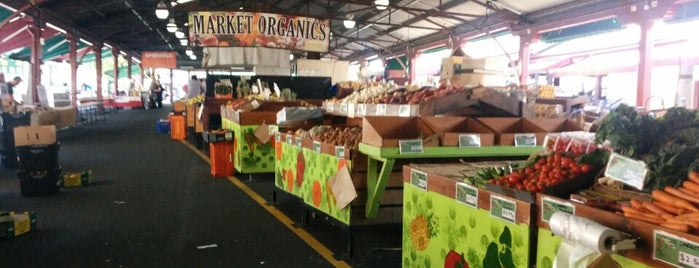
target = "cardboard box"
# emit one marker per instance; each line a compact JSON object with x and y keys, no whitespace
{"x":178,"y":107}
{"x":35,"y":135}
{"x":449,"y":129}
{"x":76,"y":179}
{"x":505,"y":129}
{"x":387,"y":131}
{"x":560,"y":124}
{"x":14,"y":224}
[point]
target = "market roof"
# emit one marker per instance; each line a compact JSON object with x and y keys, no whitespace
{"x":131,"y":25}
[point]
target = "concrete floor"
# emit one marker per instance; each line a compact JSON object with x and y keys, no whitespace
{"x":153,"y":203}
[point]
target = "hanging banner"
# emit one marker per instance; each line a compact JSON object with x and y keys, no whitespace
{"x":257,"y":29}
{"x":159,"y":59}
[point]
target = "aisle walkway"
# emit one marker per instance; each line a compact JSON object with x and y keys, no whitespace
{"x":153,"y":203}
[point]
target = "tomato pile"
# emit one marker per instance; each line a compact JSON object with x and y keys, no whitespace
{"x":546,"y":172}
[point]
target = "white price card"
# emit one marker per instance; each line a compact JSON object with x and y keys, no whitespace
{"x":631,"y":172}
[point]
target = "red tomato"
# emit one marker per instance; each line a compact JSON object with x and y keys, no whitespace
{"x":585,"y":168}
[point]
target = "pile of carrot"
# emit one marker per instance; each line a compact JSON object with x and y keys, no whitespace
{"x":672,"y":208}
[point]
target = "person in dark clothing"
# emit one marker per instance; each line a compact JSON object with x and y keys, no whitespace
{"x":11,"y":85}
{"x":156,"y":91}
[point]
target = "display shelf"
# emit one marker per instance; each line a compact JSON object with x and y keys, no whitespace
{"x":382,"y":159}
{"x":249,"y":154}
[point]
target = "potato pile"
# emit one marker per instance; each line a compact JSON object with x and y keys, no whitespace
{"x":339,"y":136}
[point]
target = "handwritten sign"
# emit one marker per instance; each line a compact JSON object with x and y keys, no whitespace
{"x":410,"y":146}
{"x":629,"y":171}
{"x":381,"y":109}
{"x":404,"y":111}
{"x":503,"y":209}
{"x":299,"y":142}
{"x":549,"y":206}
{"x":469,"y":140}
{"x":675,"y":250}
{"x":316,"y":146}
{"x":361,"y":109}
{"x":467,"y":194}
{"x":330,"y":107}
{"x":525,"y":139}
{"x":343,"y":108}
{"x":278,"y":136}
{"x":289,"y":139}
{"x":418,"y":179}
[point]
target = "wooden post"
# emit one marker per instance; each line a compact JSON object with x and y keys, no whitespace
{"x":524,"y":56}
{"x":645,"y":63}
{"x":35,"y":29}
{"x":115,"y":56}
{"x":128,"y":67}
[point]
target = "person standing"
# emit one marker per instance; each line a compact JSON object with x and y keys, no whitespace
{"x":194,"y":87}
{"x":11,"y":85}
{"x":156,"y":92}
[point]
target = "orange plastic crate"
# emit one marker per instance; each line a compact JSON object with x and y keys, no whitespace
{"x":221,"y":154}
{"x":178,"y":129}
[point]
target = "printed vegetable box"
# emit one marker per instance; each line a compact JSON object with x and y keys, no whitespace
{"x":249,"y":154}
{"x":448,"y":224}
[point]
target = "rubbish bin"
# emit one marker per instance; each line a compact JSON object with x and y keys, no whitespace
{"x":38,"y":183}
{"x":38,"y":157}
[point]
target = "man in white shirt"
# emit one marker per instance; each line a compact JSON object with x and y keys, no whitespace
{"x":194,"y":87}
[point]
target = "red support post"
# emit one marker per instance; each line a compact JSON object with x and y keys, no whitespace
{"x":73,"y":58}
{"x":645,"y":63}
{"x":36,"y":30}
{"x":115,"y":56}
{"x":98,"y":65}
{"x":524,"y":57}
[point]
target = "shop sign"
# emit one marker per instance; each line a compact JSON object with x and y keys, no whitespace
{"x":339,"y":151}
{"x":316,"y":146}
{"x":418,"y":179}
{"x":629,"y":171}
{"x":550,"y":206}
{"x":258,"y":29}
{"x":525,"y":139}
{"x":675,"y":250}
{"x":410,"y":146}
{"x":469,"y":140}
{"x":159,"y":59}
{"x":503,"y":209}
{"x":466,"y":194}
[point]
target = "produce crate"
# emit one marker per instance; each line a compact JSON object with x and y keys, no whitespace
{"x":163,"y":126}
{"x":178,"y":130}
{"x":450,"y":128}
{"x":505,"y":129}
{"x":388,"y":131}
{"x":38,"y":157}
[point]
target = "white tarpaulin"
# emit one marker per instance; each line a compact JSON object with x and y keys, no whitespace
{"x":226,"y":57}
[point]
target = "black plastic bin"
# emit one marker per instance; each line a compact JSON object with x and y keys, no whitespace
{"x":38,"y":183}
{"x":9,"y":159}
{"x":10,"y":121}
{"x":38,"y":157}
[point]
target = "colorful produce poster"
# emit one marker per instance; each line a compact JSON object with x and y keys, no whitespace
{"x":257,"y":29}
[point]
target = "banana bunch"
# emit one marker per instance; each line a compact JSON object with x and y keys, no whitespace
{"x":483,"y":175}
{"x":195,"y":100}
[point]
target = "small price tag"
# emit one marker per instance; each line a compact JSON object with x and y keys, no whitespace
{"x":236,"y":116}
{"x":316,"y":146}
{"x":331,"y":107}
{"x":503,"y":209}
{"x":404,"y":111}
{"x":469,"y":140}
{"x":410,"y":146}
{"x":289,"y":139}
{"x":525,"y":139}
{"x":629,"y":171}
{"x":381,"y":109}
{"x":272,"y":129}
{"x":299,"y":142}
{"x":278,"y":136}
{"x":549,"y":206}
{"x":228,"y":136}
{"x":675,"y":250}
{"x":467,"y":194}
{"x":343,"y":108}
{"x":418,"y":179}
{"x":339,"y":151}
{"x":361,"y":109}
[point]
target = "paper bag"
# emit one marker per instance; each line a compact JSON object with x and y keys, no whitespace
{"x":262,"y":133}
{"x":343,"y":188}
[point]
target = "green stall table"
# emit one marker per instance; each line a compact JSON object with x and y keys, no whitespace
{"x":447,"y":223}
{"x":657,"y":246}
{"x":249,"y":154}
{"x":381,"y":162}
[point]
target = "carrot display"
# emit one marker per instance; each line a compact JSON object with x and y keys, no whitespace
{"x":692,"y":186}
{"x":694,"y":176}
{"x":669,"y":208}
{"x":680,"y":194}
{"x":664,"y":197}
{"x":655,"y":209}
{"x":676,"y":226}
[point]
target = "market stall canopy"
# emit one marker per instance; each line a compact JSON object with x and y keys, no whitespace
{"x":15,"y":34}
{"x":53,"y":48}
{"x":135,"y":72}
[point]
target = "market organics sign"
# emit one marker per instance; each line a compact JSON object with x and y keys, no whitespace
{"x":257,"y":29}
{"x":159,"y":59}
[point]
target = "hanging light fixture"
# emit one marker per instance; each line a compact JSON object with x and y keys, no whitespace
{"x":349,"y":22}
{"x":381,"y":4}
{"x":193,"y":57}
{"x":189,"y":52}
{"x":161,"y":11}
{"x":184,"y":42}
{"x":179,"y":34}
{"x":171,"y":26}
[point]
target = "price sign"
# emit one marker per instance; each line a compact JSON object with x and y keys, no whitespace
{"x":236,"y":116}
{"x":418,"y":179}
{"x":404,"y":111}
{"x":361,"y":109}
{"x":331,"y":107}
{"x":467,"y":194}
{"x":289,"y":139}
{"x":272,"y":129}
{"x":299,"y":142}
{"x":339,"y":151}
{"x":629,"y":171}
{"x":675,"y":250}
{"x":228,"y":136}
{"x":525,"y":139}
{"x":343,"y":108}
{"x":278,"y":136}
{"x":549,"y":206}
{"x":316,"y":146}
{"x":469,"y":140}
{"x":503,"y":209}
{"x":381,"y":109}
{"x":410,"y":146}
